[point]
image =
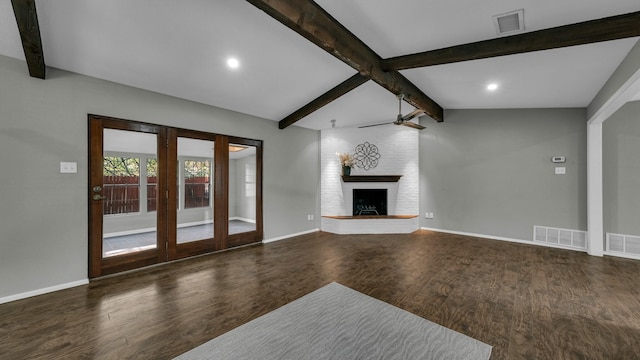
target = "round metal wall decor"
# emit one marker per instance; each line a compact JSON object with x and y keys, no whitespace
{"x":366,"y":156}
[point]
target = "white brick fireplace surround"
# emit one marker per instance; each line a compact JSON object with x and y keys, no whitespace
{"x":398,"y":147}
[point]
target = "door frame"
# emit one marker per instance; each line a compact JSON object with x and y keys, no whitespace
{"x":98,"y":265}
{"x":257,"y":235}
{"x":179,"y":251}
{"x":167,"y":249}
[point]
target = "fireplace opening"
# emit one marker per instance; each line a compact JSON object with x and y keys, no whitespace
{"x":369,"y":202}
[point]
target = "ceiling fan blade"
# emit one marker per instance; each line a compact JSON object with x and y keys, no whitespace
{"x":412,"y":114}
{"x":413,"y":125}
{"x":366,"y":126}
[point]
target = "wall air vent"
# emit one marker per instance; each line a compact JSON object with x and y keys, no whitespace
{"x":565,"y":238}
{"x":623,"y":245}
{"x":509,"y":23}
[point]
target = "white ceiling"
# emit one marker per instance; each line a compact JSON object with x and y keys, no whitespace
{"x":179,"y":48}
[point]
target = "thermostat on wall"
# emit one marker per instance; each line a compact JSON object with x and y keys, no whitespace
{"x":558,"y":159}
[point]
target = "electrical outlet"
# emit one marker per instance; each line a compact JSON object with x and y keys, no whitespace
{"x":310,"y":217}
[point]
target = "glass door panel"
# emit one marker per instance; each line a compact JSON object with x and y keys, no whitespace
{"x":195,"y":214}
{"x":242,"y":188}
{"x":129,"y":225}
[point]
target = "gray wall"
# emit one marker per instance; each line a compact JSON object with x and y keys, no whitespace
{"x":489,"y":172}
{"x":43,"y":214}
{"x":621,"y":170}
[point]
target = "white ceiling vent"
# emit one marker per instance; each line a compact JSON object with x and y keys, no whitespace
{"x":509,"y":23}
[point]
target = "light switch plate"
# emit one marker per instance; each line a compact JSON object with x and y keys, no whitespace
{"x":68,"y":167}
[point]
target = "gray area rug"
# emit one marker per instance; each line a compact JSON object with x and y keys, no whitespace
{"x":335,"y":322}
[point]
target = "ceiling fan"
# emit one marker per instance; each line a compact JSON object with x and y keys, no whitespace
{"x":400,"y":119}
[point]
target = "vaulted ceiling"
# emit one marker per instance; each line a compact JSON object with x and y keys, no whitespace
{"x":180,"y":48}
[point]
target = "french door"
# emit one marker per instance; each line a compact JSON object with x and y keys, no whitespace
{"x":160,"y":193}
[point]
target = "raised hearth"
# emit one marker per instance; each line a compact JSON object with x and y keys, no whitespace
{"x":370,"y":224}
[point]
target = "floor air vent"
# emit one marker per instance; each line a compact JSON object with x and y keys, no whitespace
{"x":566,"y":238}
{"x":623,"y":245}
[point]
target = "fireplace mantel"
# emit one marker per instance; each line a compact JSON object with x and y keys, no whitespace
{"x":371,"y":178}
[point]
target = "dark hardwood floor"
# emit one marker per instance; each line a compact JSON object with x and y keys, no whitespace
{"x":528,"y":302}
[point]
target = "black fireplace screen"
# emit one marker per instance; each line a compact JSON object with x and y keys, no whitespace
{"x":369,"y":202}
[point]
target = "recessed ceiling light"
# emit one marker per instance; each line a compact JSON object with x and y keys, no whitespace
{"x":492,"y":87}
{"x":233,"y":63}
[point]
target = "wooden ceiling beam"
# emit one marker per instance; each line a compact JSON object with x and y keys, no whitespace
{"x":312,"y":22}
{"x":324,"y":99}
{"x":27,"y":19}
{"x":606,"y":29}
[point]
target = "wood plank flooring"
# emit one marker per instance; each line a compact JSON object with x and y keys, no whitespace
{"x":528,"y":302}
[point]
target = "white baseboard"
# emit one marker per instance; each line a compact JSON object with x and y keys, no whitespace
{"x":46,"y":290}
{"x":152,"y":229}
{"x":128,"y":232}
{"x":289,"y":236}
{"x":194,"y":223}
{"x":252,"y":221}
{"x":492,"y":237}
{"x":622,"y":255}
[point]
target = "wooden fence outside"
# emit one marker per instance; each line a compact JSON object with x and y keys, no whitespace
{"x":123,"y":193}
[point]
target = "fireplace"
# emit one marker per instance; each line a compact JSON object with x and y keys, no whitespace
{"x":369,"y":202}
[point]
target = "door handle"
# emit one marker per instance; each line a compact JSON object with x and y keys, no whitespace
{"x":97,"y":189}
{"x":99,"y":197}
